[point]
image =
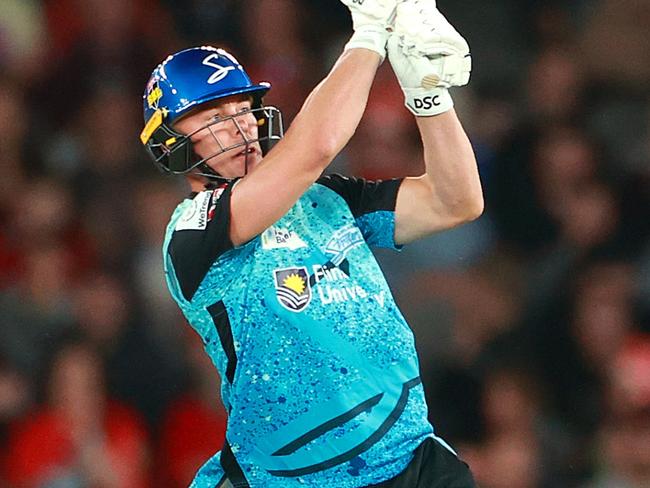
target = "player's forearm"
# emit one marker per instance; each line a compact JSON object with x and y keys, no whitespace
{"x":331,"y":113}
{"x":324,"y":125}
{"x":451,"y":167}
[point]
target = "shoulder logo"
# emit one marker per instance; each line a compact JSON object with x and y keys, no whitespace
{"x":216,"y":195}
{"x":195,"y":217}
{"x":292,"y":288}
{"x":221,"y":71}
{"x":342,"y":242}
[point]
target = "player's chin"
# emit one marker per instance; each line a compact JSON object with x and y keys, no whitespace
{"x":239,"y":164}
{"x":249,"y":159}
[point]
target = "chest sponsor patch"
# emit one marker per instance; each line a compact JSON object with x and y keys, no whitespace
{"x":281,"y":238}
{"x":195,"y":216}
{"x":292,"y":288}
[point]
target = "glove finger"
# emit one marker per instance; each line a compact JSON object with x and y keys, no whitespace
{"x":373,"y":11}
{"x":428,"y":27}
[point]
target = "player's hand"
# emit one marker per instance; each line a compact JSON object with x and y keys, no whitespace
{"x":428,"y":56}
{"x":372,"y":21}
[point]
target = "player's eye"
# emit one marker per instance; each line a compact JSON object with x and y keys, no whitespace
{"x":212,"y":117}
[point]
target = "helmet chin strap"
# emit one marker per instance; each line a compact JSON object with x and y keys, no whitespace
{"x":211,"y":175}
{"x":246,"y":154}
{"x":207,"y":171}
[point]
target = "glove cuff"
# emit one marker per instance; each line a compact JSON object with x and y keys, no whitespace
{"x":371,"y":38}
{"x":426,"y":103}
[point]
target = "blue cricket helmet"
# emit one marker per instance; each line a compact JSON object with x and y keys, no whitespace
{"x":183,"y":81}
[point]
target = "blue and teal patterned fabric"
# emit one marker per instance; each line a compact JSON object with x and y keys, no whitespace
{"x":319,"y":370}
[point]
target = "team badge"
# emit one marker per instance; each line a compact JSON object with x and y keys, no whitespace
{"x":342,"y":242}
{"x":220,"y":71}
{"x":292,"y":288}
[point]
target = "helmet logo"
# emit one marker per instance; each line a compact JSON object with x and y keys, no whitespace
{"x":221,"y":71}
{"x":154,"y":96}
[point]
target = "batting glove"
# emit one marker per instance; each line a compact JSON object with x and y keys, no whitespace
{"x":428,"y":56}
{"x":424,"y":30}
{"x":372,"y":21}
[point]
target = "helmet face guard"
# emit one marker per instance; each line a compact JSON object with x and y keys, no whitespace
{"x":187,"y":80}
{"x":173,"y":152}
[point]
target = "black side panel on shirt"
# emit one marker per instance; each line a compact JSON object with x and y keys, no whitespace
{"x":433,"y":466}
{"x":364,"y":196}
{"x":231,"y":467}
{"x":193,"y":251}
{"x":221,"y":321}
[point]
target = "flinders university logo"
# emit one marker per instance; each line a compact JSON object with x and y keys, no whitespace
{"x":292,"y":288}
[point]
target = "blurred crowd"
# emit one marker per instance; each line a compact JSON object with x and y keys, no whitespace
{"x":532,"y":323}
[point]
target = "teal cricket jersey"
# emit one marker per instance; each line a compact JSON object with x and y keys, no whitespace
{"x":319,"y":371}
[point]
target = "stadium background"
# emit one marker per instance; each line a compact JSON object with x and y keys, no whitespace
{"x":532,"y":323}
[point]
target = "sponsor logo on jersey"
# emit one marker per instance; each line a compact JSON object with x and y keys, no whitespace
{"x":327,"y":273}
{"x":338,"y":294}
{"x":195,"y":216}
{"x":281,"y":238}
{"x":292,"y":288}
{"x":334,"y":286}
{"x":342,"y":242}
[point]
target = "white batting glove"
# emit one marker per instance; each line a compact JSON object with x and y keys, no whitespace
{"x":372,"y":21}
{"x":428,"y":56}
{"x":424,"y":30}
{"x":413,"y":71}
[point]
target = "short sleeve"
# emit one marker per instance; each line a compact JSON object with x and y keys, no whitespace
{"x":200,"y":236}
{"x":372,"y":204}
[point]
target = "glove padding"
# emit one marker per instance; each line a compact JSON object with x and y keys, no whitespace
{"x":426,"y":31}
{"x":372,"y":21}
{"x":417,"y":76}
{"x":428,"y":56}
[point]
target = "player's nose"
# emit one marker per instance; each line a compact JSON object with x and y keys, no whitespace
{"x":241,"y":125}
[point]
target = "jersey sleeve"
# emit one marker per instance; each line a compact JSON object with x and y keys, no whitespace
{"x":200,"y":236}
{"x":372,"y":204}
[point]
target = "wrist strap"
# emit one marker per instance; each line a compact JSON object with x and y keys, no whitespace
{"x":425,"y":103}
{"x":374,"y":39}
